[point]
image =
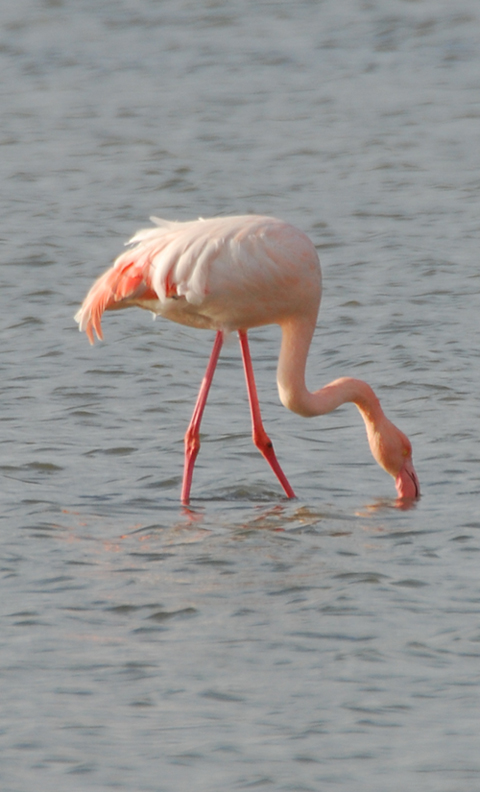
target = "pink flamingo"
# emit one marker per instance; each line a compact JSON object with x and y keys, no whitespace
{"x":234,"y":273}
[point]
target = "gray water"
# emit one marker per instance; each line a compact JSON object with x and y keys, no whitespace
{"x":326,"y":643}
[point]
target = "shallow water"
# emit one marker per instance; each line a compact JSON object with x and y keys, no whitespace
{"x":331,"y":642}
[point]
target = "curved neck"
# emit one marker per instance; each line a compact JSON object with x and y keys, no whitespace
{"x":389,"y":446}
{"x":296,"y":337}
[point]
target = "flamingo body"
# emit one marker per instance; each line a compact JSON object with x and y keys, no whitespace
{"x":235,"y":273}
{"x":218,"y":274}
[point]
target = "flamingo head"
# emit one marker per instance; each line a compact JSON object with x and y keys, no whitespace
{"x":406,"y":481}
{"x":393,"y":451}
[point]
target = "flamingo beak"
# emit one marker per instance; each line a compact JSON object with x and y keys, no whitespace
{"x":407,"y":483}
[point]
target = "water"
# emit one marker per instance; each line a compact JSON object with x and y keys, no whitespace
{"x":332,"y":642}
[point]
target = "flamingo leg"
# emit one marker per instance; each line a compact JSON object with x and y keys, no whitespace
{"x":192,"y":435}
{"x":259,"y":435}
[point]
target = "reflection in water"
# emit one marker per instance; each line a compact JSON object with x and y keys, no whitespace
{"x":383,"y":504}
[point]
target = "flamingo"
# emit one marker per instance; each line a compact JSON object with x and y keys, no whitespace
{"x":235,"y":273}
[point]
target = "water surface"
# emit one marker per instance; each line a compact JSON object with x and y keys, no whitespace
{"x":331,"y":642}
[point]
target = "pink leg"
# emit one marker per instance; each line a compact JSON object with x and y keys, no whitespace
{"x":260,"y":437}
{"x":192,"y":435}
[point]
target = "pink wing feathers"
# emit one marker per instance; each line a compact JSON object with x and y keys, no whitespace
{"x":118,"y":283}
{"x":162,"y":264}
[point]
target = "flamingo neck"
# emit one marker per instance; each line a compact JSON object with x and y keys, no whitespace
{"x":296,"y":338}
{"x":389,"y":446}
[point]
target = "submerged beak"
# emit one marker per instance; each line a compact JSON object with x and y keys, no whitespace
{"x":407,"y":483}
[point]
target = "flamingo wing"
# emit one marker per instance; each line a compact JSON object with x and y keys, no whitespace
{"x":170,"y":260}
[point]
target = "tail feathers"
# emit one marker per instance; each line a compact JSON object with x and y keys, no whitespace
{"x":170,"y":260}
{"x":119,"y":283}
